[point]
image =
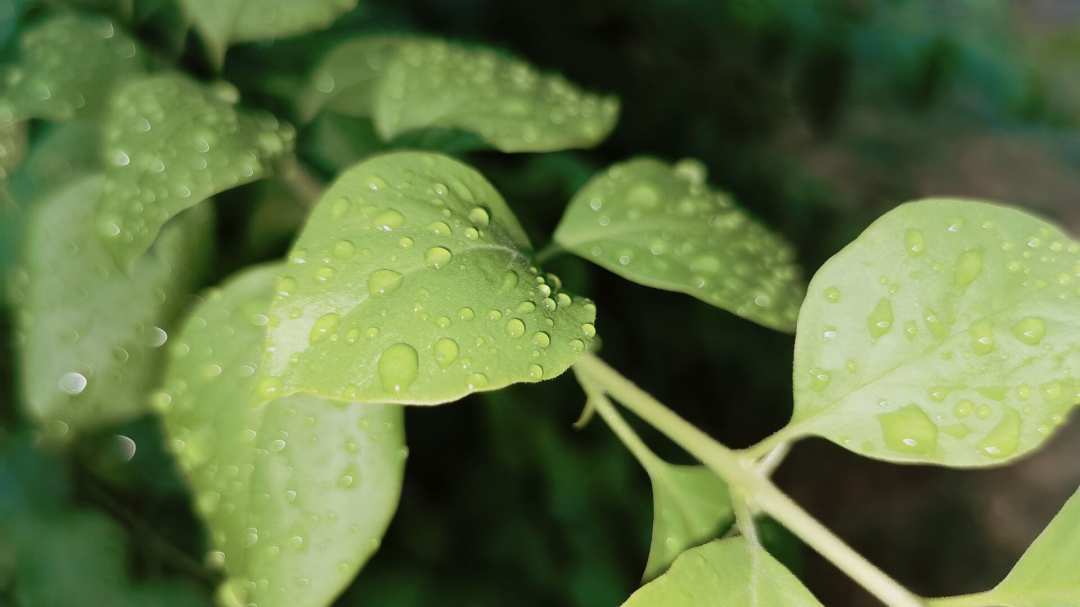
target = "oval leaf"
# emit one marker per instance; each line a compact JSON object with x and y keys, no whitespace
{"x":297,"y":494}
{"x":1046,"y":575}
{"x":170,"y":144}
{"x":730,"y":572}
{"x":409,"y":285}
{"x":662,"y":226}
{"x":68,"y":65}
{"x":946,"y":333}
{"x":691,"y":505}
{"x":408,"y":84}
{"x":223,"y":22}
{"x":89,"y":333}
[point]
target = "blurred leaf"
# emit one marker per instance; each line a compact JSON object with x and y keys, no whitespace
{"x":728,"y":572}
{"x":297,"y":494}
{"x":409,"y":284}
{"x":691,"y":505}
{"x":12,"y":149}
{"x":69,"y":65}
{"x":172,"y":143}
{"x":88,"y":332}
{"x":1046,"y":575}
{"x":407,"y":84}
{"x":662,"y":226}
{"x":223,"y":22}
{"x":943,"y":334}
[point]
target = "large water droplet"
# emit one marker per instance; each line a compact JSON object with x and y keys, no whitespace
{"x":323,"y":327}
{"x":398,"y":368}
{"x":383,"y":282}
{"x":1002,"y":441}
{"x":1030,"y":330}
{"x":515,"y":328}
{"x":968,"y":267}
{"x":909,"y":430}
{"x":914,"y":242}
{"x":438,"y":257}
{"x":446,"y":352}
{"x":982,"y":336}
{"x":881,"y":319}
{"x":389,"y":220}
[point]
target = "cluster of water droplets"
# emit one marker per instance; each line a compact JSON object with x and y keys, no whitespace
{"x":171,"y":143}
{"x":424,"y":284}
{"x":663,"y":226}
{"x":68,"y":65}
{"x":506,"y":101}
{"x":282,"y":484}
{"x":997,"y":369}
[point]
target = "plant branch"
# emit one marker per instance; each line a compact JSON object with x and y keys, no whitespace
{"x":304,"y":187}
{"x":553,"y":249}
{"x":743,"y":476}
{"x":772,"y":461}
{"x":619,"y":426}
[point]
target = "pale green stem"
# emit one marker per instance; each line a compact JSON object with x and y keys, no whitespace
{"x":744,"y":477}
{"x":787,"y":435}
{"x":979,"y":599}
{"x":744,"y":519}
{"x":772,"y":461}
{"x":304,"y":187}
{"x":552,"y":250}
{"x":620,"y":427}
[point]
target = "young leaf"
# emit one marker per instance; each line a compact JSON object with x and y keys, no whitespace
{"x":409,"y":284}
{"x":407,"y":84}
{"x":170,"y":144}
{"x":89,"y":333}
{"x":732,"y":573}
{"x":946,"y":333}
{"x":691,"y":505}
{"x":69,"y":65}
{"x":223,"y":22}
{"x":297,"y":494}
{"x":1046,"y":576}
{"x":662,"y":226}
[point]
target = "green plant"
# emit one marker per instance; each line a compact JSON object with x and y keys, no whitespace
{"x":943,"y":335}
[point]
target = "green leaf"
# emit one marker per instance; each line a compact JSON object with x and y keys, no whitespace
{"x":730,"y":572}
{"x":662,"y":226}
{"x":12,"y":148}
{"x":409,"y":284}
{"x":408,"y":84}
{"x":223,"y":22}
{"x":946,"y":333}
{"x":89,"y":333}
{"x":68,"y":66}
{"x":297,"y":494}
{"x":691,"y":505}
{"x":171,"y":143}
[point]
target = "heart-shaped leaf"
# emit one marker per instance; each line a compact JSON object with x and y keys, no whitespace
{"x":68,"y":66}
{"x":946,"y":333}
{"x":662,"y":226}
{"x":223,"y":22}
{"x":1046,"y":575}
{"x":409,"y":284}
{"x":732,"y":573}
{"x":296,"y":494}
{"x":407,"y":84}
{"x":89,"y":333}
{"x":170,"y":144}
{"x":691,"y":505}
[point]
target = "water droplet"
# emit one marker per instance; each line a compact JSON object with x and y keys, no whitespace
{"x":1030,"y":330}
{"x":406,"y":243}
{"x":466,"y":314}
{"x":541,"y":339}
{"x":439,"y":228}
{"x":269,"y":387}
{"x":915,"y":242}
{"x":479,"y":216}
{"x":643,"y":195}
{"x":475,"y":381}
{"x":323,"y":328}
{"x":515,"y":328}
{"x":819,"y":379}
{"x":509,"y":280}
{"x":982,"y":337}
{"x":339,"y":209}
{"x":72,"y":383}
{"x":832,"y":295}
{"x":1003,"y":440}
{"x":389,"y":220}
{"x":398,"y":368}
{"x":909,"y":430}
{"x":881,"y":319}
{"x":438,"y":257}
{"x":446,"y":352}
{"x":968,"y":267}
{"x":577,"y":345}
{"x":344,"y":249}
{"x":383,"y":282}
{"x":323,"y":275}
{"x":962,"y":408}
{"x":536,"y":371}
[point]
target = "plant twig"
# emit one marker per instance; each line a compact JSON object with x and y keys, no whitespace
{"x":304,"y":187}
{"x":553,"y":249}
{"x":772,"y":461}
{"x":743,"y":476}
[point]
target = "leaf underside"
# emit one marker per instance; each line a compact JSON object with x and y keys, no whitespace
{"x":946,"y":333}
{"x":691,"y":505}
{"x":171,"y":143}
{"x":410,"y":284}
{"x":89,"y":334}
{"x":730,"y":572}
{"x":407,"y":84}
{"x":663,"y":227}
{"x":296,"y":494}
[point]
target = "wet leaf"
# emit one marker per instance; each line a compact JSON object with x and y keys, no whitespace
{"x":730,"y":572}
{"x":296,"y":494}
{"x":408,"y":84}
{"x":946,"y":333}
{"x":691,"y":505}
{"x":88,"y":333}
{"x":662,"y":226}
{"x":68,"y":66}
{"x":172,"y":143}
{"x":410,"y":284}
{"x":224,"y":22}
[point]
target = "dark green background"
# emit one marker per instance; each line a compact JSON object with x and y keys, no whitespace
{"x":818,"y":115}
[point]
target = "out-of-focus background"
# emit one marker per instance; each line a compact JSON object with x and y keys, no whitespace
{"x":818,"y":115}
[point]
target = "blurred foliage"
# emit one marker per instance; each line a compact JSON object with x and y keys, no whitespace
{"x":817,"y":116}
